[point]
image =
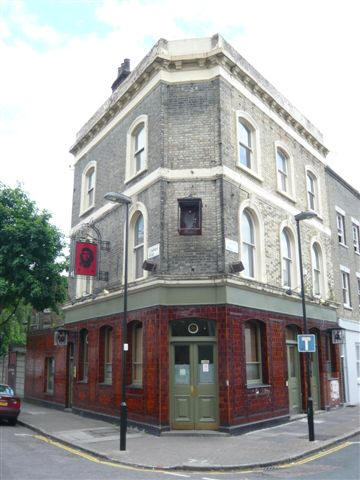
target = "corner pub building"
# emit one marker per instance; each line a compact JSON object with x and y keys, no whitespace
{"x":217,"y":163}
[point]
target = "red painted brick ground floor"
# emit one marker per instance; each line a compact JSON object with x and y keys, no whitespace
{"x":211,"y":367}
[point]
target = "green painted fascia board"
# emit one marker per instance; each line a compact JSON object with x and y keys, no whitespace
{"x":196,"y":295}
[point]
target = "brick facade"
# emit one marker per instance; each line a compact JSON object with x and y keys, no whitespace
{"x":239,"y":404}
{"x":192,"y":109}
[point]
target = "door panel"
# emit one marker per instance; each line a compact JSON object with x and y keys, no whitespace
{"x":294,"y":385}
{"x":193,"y":387}
{"x":315,"y":383}
{"x":183,"y":402}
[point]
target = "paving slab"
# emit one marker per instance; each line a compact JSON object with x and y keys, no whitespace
{"x":201,"y":451}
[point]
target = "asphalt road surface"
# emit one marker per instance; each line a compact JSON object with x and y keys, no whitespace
{"x":26,"y":456}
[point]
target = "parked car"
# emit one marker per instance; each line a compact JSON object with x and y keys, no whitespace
{"x":9,"y":404}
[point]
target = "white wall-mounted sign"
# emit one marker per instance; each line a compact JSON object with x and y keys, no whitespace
{"x":231,"y":245}
{"x":154,"y":251}
{"x":334,"y":390}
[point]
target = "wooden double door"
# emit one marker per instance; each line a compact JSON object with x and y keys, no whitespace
{"x":193,"y":385}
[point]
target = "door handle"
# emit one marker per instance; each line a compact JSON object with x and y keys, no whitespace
{"x":193,"y":391}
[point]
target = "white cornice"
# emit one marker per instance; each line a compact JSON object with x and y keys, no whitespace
{"x":200,"y":174}
{"x":197,"y":67}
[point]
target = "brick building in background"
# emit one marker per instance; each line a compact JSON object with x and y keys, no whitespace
{"x":217,"y":163}
{"x":344,"y":208}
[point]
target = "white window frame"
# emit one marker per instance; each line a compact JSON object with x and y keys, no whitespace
{"x":357,"y":360}
{"x":85,"y":205}
{"x":358,"y":286}
{"x":130,"y":169}
{"x":259,"y":362}
{"x":136,"y":209}
{"x":259,"y":243}
{"x":137,"y":354}
{"x":319,"y":269}
{"x":310,"y":173}
{"x":341,"y":229}
{"x":84,"y":286}
{"x":292,"y":259}
{"x":290,"y":182}
{"x":108,"y":354}
{"x":248,"y":122}
{"x":355,"y":235}
{"x":345,"y":286}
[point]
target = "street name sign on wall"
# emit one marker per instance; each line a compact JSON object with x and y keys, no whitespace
{"x":306,"y":343}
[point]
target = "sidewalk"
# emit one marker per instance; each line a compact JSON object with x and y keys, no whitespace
{"x":213,"y":451}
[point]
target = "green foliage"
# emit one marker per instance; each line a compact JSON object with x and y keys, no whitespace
{"x":13,"y":327}
{"x":30,"y":254}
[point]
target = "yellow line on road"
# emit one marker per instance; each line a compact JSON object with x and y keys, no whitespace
{"x":316,"y":456}
{"x":94,"y":459}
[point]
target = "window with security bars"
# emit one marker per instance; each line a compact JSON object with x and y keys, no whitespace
{"x":190,"y":216}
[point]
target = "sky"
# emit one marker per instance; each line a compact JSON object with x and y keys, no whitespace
{"x":58,"y":59}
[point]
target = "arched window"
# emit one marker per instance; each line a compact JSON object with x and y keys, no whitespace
{"x":87,"y":200}
{"x":138,"y":247}
{"x":286,"y":258}
{"x":253,"y":349}
{"x":248,"y":244}
{"x":317,"y":273}
{"x":105,"y":355}
{"x":137,"y":241}
{"x":84,"y":356}
{"x":136,"y":154}
{"x":248,"y":145}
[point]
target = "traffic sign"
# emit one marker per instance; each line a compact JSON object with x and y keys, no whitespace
{"x":306,"y":343}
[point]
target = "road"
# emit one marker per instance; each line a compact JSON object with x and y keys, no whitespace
{"x":27,"y":456}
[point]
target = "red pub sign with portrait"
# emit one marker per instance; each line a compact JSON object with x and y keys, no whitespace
{"x":85,"y":259}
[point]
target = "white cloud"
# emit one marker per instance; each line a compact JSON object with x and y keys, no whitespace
{"x":308,"y":53}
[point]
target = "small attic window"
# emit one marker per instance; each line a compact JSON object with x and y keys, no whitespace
{"x":190,"y":216}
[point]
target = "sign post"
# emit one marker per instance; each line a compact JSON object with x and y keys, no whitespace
{"x":306,"y":343}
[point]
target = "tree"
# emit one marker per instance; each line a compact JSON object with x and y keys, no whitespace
{"x":30,"y":256}
{"x":13,"y":331}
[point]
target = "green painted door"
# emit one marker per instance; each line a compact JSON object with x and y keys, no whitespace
{"x":315,"y":379}
{"x":193,"y":388}
{"x":294,"y":385}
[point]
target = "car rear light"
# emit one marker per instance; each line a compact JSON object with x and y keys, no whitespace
{"x":14,"y":402}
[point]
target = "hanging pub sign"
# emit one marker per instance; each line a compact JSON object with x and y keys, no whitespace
{"x":85,"y":259}
{"x":338,"y":336}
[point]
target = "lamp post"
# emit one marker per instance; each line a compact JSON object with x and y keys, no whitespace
{"x":309,"y":405}
{"x":123,"y":199}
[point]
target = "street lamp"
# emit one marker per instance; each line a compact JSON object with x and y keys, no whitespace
{"x":310,"y":406}
{"x":123,"y":199}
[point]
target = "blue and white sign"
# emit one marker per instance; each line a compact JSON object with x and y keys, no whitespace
{"x":306,"y":343}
